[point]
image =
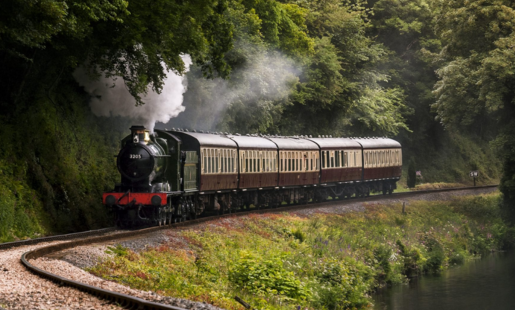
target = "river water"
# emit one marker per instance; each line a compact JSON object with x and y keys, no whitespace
{"x":487,"y":283}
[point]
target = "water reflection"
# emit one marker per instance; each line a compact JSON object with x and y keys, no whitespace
{"x":488,"y":283}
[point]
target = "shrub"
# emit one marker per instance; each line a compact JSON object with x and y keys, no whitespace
{"x":343,"y":285}
{"x":266,"y":277}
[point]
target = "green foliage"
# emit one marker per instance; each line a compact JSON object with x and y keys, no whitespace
{"x":475,"y":90}
{"x":131,"y":39}
{"x":21,"y":213}
{"x":341,"y":259}
{"x":118,"y":250}
{"x":265,"y":277}
{"x":305,"y":67}
{"x":344,"y":285}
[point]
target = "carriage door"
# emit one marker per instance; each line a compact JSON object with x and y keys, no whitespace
{"x":190,"y":171}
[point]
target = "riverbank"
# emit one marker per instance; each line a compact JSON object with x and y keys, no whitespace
{"x":316,"y":260}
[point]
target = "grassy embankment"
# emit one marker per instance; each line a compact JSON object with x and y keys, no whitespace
{"x":326,"y":261}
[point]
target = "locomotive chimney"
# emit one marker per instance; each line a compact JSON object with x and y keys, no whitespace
{"x":139,"y":134}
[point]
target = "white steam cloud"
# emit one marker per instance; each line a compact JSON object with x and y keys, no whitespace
{"x":264,"y":78}
{"x":117,"y":101}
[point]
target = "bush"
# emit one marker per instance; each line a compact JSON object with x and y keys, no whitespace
{"x":266,"y":277}
{"x":343,"y":285}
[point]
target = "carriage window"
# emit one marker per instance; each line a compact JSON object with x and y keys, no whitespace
{"x":222,"y":161}
{"x":323,"y":159}
{"x":213,"y":161}
{"x":216,"y":157}
{"x":289,"y":161}
{"x":250,"y":161}
{"x":210,"y":159}
{"x":226,"y":161}
{"x":297,"y":160}
{"x":207,"y":160}
{"x":282,"y":160}
{"x":247,"y":161}
{"x":217,"y":161}
{"x":204,"y":161}
{"x":258,"y":159}
{"x":268,"y":162}
{"x":213,"y":157}
{"x":241,"y":161}
{"x":274,"y":161}
{"x":253,"y":161}
{"x":229,"y":161}
{"x":293,"y":161}
{"x":300,"y":165}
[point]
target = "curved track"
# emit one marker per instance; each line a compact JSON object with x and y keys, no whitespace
{"x":84,"y":234}
{"x":137,"y":303}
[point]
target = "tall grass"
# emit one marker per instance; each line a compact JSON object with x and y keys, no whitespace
{"x":324,"y":261}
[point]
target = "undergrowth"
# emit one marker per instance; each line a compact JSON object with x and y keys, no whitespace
{"x":324,"y":261}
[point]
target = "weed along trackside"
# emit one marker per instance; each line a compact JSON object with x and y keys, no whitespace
{"x":320,"y":261}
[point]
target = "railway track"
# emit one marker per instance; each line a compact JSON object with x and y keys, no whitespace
{"x":84,"y":234}
{"x":132,"y":302}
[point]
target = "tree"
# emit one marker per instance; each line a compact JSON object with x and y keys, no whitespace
{"x":476,"y":86}
{"x":412,"y":174}
{"x":137,"y":40}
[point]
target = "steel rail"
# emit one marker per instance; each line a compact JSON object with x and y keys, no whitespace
{"x":83,"y":234}
{"x":138,"y":303}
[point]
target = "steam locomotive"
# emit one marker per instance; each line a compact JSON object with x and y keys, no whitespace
{"x":173,"y":175}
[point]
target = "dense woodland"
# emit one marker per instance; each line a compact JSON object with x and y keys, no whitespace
{"x":439,"y":76}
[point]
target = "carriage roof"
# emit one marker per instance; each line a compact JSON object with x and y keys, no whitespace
{"x":250,"y":142}
{"x":336,"y":143}
{"x":377,"y":143}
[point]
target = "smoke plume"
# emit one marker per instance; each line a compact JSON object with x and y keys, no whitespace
{"x":263,"y":77}
{"x":110,"y":97}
